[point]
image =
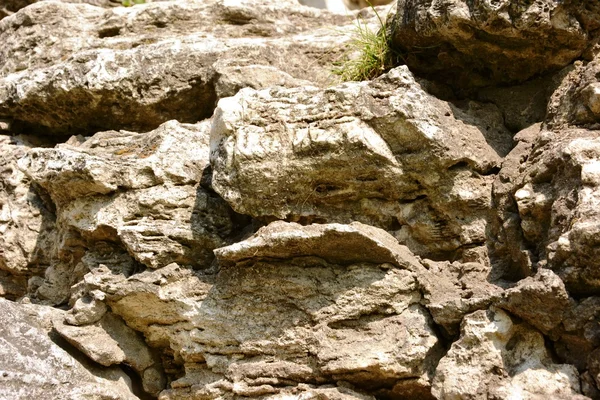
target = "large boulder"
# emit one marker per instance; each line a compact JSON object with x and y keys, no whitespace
{"x":472,"y":44}
{"x":33,"y":366}
{"x":290,"y":306}
{"x":74,"y":68}
{"x":385,"y":153}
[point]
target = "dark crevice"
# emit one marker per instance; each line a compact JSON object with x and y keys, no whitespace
{"x":92,"y":366}
{"x":136,"y":383}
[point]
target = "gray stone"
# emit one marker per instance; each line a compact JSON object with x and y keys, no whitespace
{"x":110,"y":342}
{"x":32,"y":366}
{"x":548,"y":208}
{"x":384,"y":153}
{"x":73,"y":68}
{"x":473,"y":44}
{"x":26,"y":221}
{"x":496,"y":357}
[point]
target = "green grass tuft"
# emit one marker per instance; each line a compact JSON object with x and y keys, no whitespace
{"x":376,"y":56}
{"x":130,"y":3}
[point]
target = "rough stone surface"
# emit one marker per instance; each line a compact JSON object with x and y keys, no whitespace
{"x":126,"y":193}
{"x":548,"y":205}
{"x":26,"y":221}
{"x":452,"y":290}
{"x":148,"y":64}
{"x":384,"y":153}
{"x":32,"y":366}
{"x":471,"y":44}
{"x":430,"y":234}
{"x":325,"y":318}
{"x":541,"y":300}
{"x":110,"y":342}
{"x":500,"y":359}
{"x":576,"y":102}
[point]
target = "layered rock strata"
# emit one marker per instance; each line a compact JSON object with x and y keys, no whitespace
{"x":199,"y":210}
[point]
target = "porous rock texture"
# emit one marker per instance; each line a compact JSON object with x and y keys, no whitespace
{"x":146,"y":65}
{"x":478,"y":43}
{"x":384,"y":153}
{"x":192,"y":207}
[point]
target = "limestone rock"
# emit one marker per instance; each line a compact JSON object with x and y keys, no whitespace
{"x":452,"y":290}
{"x":26,"y":221}
{"x":576,"y":102}
{"x":579,"y":333}
{"x":64,"y":68}
{"x":34,"y":367}
{"x":110,"y":342}
{"x":335,"y":243}
{"x":548,"y":206}
{"x":280,"y":313}
{"x":540,"y":300}
{"x":140,"y":189}
{"x":310,"y":324}
{"x":384,"y":153}
{"x":496,"y":357}
{"x":472,"y":44}
{"x":129,"y":201}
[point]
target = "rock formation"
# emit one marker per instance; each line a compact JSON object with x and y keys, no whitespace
{"x":193,"y":207}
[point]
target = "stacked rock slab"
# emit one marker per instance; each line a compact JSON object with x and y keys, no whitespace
{"x":201,"y":212}
{"x":146,"y":65}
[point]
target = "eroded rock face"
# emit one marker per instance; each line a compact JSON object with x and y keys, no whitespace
{"x":384,"y":153}
{"x":387,"y":244}
{"x":471,"y":44}
{"x":576,"y":102}
{"x":498,"y":358}
{"x":135,"y":68}
{"x":33,"y":366}
{"x":132,"y":194}
{"x":553,"y":200}
{"x":326,"y":316}
{"x":26,"y":221}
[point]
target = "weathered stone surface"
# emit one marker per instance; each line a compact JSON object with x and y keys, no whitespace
{"x":577,"y":100}
{"x":135,"y":68}
{"x":471,"y":44}
{"x":123,"y":194}
{"x":496,"y":357}
{"x":335,"y":243}
{"x":452,"y":290}
{"x":384,"y":153}
{"x":548,"y":208}
{"x":9,"y":7}
{"x":540,"y":300}
{"x":579,"y":333}
{"x":141,"y":189}
{"x":26,"y":221}
{"x":32,"y":366}
{"x":324,"y":318}
{"x":110,"y":342}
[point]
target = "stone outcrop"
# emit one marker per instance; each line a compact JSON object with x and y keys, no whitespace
{"x":199,"y":210}
{"x":27,"y":222}
{"x":124,"y":192}
{"x":498,"y":358}
{"x":576,"y":102}
{"x":473,"y":44}
{"x":34,"y":367}
{"x":146,"y":65}
{"x":384,"y":152}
